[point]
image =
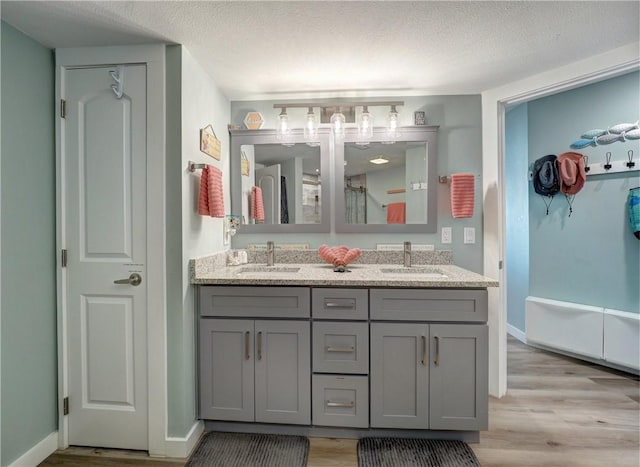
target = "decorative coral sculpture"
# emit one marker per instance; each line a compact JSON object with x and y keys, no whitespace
{"x":339,"y":256}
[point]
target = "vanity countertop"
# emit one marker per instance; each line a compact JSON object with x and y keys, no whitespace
{"x":358,"y":275}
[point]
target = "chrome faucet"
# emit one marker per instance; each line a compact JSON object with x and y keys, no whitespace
{"x":407,"y":254}
{"x":271,"y":253}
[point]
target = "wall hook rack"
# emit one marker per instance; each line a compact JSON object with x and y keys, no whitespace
{"x":193,"y":166}
{"x":610,"y":166}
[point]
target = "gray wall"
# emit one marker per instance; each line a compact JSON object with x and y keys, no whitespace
{"x":517,"y":214}
{"x":459,"y":150}
{"x":591,"y":257}
{"x":29,"y":364}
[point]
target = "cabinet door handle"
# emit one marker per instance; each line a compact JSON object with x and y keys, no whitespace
{"x":437,"y":360}
{"x":341,"y":349}
{"x":259,"y":345}
{"x":348,"y":405}
{"x":424,"y":350}
{"x":247,"y":354}
{"x":346,"y":306}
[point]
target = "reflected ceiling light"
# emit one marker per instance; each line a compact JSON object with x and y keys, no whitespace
{"x":311,"y":127}
{"x":282,"y":129}
{"x":337,"y":122}
{"x":392,"y":127}
{"x":365,"y":125}
{"x":379,"y":160}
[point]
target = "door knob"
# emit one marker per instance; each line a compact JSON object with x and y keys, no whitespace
{"x":134,"y":279}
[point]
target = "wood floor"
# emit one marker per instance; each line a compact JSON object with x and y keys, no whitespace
{"x":558,"y":412}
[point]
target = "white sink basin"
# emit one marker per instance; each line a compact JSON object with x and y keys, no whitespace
{"x":267,"y":269}
{"x":422,"y":272}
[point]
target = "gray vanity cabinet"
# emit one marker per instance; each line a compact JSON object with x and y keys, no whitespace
{"x":255,"y":370}
{"x":458,"y":380}
{"x":399,"y":375}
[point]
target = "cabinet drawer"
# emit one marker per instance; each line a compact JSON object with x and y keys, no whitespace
{"x":341,"y":401}
{"x":340,"y":347}
{"x":429,"y":305}
{"x":255,"y":302}
{"x":340,"y":303}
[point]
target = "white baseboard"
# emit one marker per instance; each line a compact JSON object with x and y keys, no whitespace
{"x":38,"y":453}
{"x":182,"y":447}
{"x":517,"y":333}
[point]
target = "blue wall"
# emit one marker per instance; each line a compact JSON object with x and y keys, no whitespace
{"x":29,"y":364}
{"x":591,"y":257}
{"x":517,"y":214}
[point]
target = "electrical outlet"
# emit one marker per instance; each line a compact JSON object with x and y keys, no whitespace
{"x":469,"y":235}
{"x":446,"y":235}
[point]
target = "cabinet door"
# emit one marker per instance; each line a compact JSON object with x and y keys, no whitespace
{"x":458,"y":377}
{"x":283,"y":372}
{"x":226,"y":369}
{"x":399,"y":375}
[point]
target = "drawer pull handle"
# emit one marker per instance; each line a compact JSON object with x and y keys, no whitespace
{"x":259,"y":337}
{"x":341,"y":349}
{"x":345,"y":306}
{"x":424,"y":351}
{"x":348,"y":405}
{"x":247,"y":354}
{"x":437,"y":360}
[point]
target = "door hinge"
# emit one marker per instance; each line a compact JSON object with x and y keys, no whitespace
{"x":500,"y":264}
{"x":63,"y":108}
{"x":65,"y":406}
{"x":63,"y":258}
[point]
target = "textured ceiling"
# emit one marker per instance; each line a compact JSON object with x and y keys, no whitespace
{"x":312,"y":48}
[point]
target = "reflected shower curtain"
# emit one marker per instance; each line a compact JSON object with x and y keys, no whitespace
{"x":355,"y":200}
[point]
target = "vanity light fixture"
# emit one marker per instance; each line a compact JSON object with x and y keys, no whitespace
{"x":341,"y":114}
{"x":379,"y":160}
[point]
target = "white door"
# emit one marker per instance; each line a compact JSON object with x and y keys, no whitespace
{"x":104,"y":197}
{"x":268,"y":179}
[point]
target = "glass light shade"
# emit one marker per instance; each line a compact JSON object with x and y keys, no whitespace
{"x":338,"y":121}
{"x":311,"y":126}
{"x":282,"y":127}
{"x":393,"y":130}
{"x":365,"y":125}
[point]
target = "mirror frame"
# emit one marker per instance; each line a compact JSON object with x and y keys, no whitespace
{"x":428,"y":134}
{"x":240,"y":138}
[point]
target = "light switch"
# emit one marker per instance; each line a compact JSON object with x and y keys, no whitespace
{"x":469,"y":235}
{"x":446,"y":235}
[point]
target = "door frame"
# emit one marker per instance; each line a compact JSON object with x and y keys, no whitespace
{"x":607,"y":65}
{"x":153,"y":56}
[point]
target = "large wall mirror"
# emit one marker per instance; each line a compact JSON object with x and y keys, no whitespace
{"x":280,"y":185}
{"x":387,"y":186}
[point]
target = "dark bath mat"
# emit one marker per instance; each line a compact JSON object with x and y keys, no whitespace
{"x":250,"y":450}
{"x":398,"y":452}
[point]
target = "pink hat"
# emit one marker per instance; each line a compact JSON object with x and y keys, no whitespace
{"x":571,"y":172}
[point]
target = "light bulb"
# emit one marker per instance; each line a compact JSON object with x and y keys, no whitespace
{"x":365,"y":125}
{"x":338,"y":121}
{"x":311,"y":128}
{"x":392,"y":128}
{"x":282,"y":129}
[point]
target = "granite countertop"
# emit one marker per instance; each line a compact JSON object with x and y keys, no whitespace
{"x":211,"y":271}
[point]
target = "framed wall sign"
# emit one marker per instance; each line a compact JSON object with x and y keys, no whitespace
{"x":209,"y":144}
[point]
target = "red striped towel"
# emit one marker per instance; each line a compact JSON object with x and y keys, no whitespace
{"x":211,"y":199}
{"x":257,"y":205}
{"x":396,"y":213}
{"x":462,"y":195}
